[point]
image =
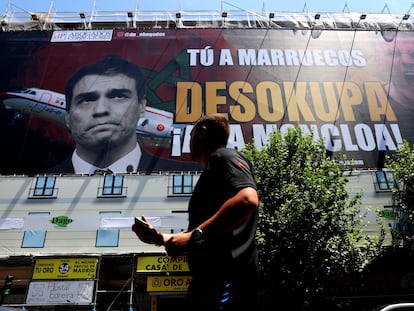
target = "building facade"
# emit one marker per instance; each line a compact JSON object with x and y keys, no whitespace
{"x":76,"y":230}
{"x":61,"y":234}
{"x":65,"y":239}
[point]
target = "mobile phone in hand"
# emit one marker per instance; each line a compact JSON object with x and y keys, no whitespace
{"x":140,"y":223}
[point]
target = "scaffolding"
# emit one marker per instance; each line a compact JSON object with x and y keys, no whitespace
{"x":18,"y":19}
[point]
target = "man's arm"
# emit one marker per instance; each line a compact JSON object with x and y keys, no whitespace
{"x":231,"y":214}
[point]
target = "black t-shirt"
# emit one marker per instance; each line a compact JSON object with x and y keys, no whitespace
{"x":226,"y":173}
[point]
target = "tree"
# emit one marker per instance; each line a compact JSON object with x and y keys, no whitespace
{"x":402,"y":165}
{"x":309,"y":227}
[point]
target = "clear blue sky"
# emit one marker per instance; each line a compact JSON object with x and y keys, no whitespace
{"x":358,"y":6}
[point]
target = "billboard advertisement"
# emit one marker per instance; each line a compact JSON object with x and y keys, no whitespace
{"x":126,"y":99}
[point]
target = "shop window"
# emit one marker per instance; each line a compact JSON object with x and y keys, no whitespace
{"x":35,"y":238}
{"x":112,"y":186}
{"x":181,"y":185}
{"x":107,"y":237}
{"x":385,"y":180}
{"x":43,"y":187}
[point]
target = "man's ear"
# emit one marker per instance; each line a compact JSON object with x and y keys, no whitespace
{"x":67,"y":120}
{"x":202,"y":132}
{"x":202,"y":129}
{"x":142,"y":104}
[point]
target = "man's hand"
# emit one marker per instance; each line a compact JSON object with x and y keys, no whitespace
{"x":178,"y":243}
{"x":148,"y":235}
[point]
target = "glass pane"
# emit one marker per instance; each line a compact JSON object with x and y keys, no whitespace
{"x":178,"y":180}
{"x":107,"y":238}
{"x":178,"y":184}
{"x":50,"y":184}
{"x":383,"y":186}
{"x":188,"y":183}
{"x":34,"y":238}
{"x":40,"y":184}
{"x":382,"y":182}
{"x":118,"y":180}
{"x":380,"y":177}
{"x":107,"y":187}
{"x":187,"y":180}
{"x":44,"y":186}
{"x":390,"y":178}
{"x":108,"y":181}
{"x":117,"y":190}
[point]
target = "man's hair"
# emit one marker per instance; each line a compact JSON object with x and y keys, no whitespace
{"x":217,"y":130}
{"x":107,"y":66}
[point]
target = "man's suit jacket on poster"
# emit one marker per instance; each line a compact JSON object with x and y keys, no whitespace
{"x":148,"y":163}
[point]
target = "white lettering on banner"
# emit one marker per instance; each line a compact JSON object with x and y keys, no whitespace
{"x":81,"y":35}
{"x":152,"y":34}
{"x":277,"y":57}
{"x":204,"y":57}
{"x":342,"y":137}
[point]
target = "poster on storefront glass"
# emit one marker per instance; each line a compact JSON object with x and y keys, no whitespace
{"x":60,"y":292}
{"x":73,"y":102}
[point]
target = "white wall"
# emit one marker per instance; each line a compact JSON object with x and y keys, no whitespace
{"x":146,"y":195}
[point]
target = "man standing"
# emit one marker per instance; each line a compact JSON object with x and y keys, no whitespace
{"x":220,"y":240}
{"x":104,"y":102}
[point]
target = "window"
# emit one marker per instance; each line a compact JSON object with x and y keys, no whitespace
{"x":35,"y":238}
{"x":385,"y":180}
{"x":107,"y":237}
{"x":44,"y":187}
{"x":112,"y":186}
{"x":181,"y":185}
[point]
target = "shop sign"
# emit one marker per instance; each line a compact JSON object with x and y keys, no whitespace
{"x":162,"y":264}
{"x":388,"y":214}
{"x":60,"y":292}
{"x":175,"y":283}
{"x":65,"y":268}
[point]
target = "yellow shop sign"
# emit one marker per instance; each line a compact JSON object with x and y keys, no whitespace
{"x":175,"y":283}
{"x":162,"y":264}
{"x":65,"y":268}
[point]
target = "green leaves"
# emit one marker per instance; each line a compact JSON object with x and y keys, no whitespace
{"x":308,"y":227}
{"x":402,"y":165}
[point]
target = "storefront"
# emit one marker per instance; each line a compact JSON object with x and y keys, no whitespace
{"x":120,"y":282}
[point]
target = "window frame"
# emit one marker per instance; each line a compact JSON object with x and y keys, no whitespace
{"x":105,"y":235}
{"x":43,"y":187}
{"x":29,"y":239}
{"x":181,"y":185}
{"x":112,"y":186}
{"x":384,"y":181}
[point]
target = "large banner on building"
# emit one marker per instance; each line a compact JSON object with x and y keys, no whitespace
{"x":125,"y":100}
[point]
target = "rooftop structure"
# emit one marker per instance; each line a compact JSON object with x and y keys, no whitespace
{"x":18,"y":19}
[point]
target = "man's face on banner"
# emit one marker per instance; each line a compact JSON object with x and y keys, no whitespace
{"x":104,"y":110}
{"x":403,"y":73}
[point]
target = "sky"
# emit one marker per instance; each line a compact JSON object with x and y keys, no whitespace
{"x":322,"y":6}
